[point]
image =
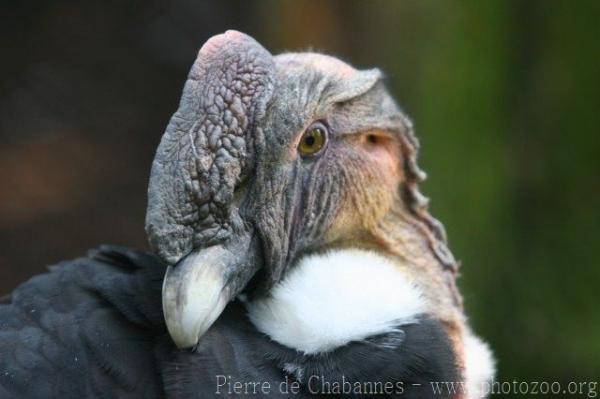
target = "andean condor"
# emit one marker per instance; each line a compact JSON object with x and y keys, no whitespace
{"x":294,"y":255}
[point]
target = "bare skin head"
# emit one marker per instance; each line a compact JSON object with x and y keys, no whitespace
{"x":270,"y":158}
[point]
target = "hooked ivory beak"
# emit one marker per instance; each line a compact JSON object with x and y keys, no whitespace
{"x":197,"y":289}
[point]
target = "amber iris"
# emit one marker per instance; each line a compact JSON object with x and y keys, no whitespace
{"x":312,"y":140}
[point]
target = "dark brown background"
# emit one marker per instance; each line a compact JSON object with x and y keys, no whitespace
{"x":504,"y":93}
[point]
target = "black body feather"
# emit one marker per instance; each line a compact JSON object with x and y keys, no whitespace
{"x":93,"y":327}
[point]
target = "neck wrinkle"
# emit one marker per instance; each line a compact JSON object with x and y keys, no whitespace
{"x":408,"y":238}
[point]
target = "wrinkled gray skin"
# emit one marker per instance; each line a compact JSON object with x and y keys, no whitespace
{"x":226,"y":176}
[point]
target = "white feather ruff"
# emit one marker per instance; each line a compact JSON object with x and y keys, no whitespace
{"x":329,"y":300}
{"x":479,"y":367}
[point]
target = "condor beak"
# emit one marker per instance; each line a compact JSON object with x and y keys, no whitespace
{"x":197,"y":289}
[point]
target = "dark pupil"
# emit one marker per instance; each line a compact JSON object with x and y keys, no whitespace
{"x":309,"y":141}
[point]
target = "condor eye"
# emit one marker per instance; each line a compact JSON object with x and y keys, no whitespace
{"x":313,"y":139}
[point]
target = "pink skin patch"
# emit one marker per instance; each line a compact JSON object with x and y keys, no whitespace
{"x":331,"y":66}
{"x":381,"y":149}
{"x":321,"y":62}
{"x":216,"y":42}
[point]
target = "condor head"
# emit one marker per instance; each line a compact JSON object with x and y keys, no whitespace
{"x":271,"y":158}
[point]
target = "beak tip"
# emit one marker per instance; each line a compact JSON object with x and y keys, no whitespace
{"x":193,"y":298}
